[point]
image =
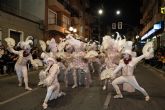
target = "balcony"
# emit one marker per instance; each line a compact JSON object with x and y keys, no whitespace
{"x":56,"y":28}
{"x":57,"y":6}
{"x":59,"y":26}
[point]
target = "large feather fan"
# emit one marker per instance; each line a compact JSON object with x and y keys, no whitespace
{"x":10,"y":42}
{"x":43,"y":45}
{"x":108,"y":42}
{"x":148,"y":50}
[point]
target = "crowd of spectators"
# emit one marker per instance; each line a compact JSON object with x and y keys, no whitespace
{"x":8,"y":59}
{"x":158,"y":61}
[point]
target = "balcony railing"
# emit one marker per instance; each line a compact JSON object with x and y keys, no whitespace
{"x":20,"y":13}
{"x":58,"y":26}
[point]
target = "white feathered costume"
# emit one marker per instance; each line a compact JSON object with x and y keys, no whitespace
{"x":51,"y":81}
{"x":128,"y":69}
{"x":24,"y":57}
{"x":49,"y":76}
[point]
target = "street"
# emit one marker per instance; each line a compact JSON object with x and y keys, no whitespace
{"x":13,"y":97}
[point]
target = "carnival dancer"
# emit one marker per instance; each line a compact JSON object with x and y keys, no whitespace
{"x":51,"y":81}
{"x":127,"y":65}
{"x":112,"y":57}
{"x":24,"y":57}
{"x":77,"y":52}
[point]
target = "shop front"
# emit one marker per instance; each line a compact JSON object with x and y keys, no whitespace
{"x":155,"y":34}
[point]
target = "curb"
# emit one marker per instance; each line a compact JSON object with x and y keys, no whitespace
{"x":161,"y":72}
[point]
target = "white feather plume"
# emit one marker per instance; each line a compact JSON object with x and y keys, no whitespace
{"x":29,"y":42}
{"x":108,"y":42}
{"x":43,"y":45}
{"x":10,"y":42}
{"x":148,"y":50}
{"x":29,"y":38}
{"x":21,"y":44}
{"x":48,"y":42}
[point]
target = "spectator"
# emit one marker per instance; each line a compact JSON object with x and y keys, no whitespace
{"x":2,"y":61}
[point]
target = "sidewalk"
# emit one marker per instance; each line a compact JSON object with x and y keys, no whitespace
{"x":159,"y":71}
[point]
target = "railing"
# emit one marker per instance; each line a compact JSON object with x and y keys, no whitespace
{"x":20,"y":13}
{"x":60,"y":23}
{"x":74,"y":12}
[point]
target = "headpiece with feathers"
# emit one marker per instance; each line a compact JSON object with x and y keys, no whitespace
{"x":52,"y":45}
{"x":26,"y":44}
{"x":108,"y":42}
{"x":128,"y":48}
{"x":74,"y":42}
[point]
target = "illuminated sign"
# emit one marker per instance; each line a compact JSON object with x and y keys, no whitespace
{"x":162,"y":10}
{"x":148,"y":34}
{"x":155,"y":28}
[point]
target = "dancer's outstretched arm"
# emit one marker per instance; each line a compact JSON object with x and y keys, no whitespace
{"x":138,"y":59}
{"x":10,"y":49}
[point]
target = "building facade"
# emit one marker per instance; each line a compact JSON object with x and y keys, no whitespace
{"x":152,"y":21}
{"x":22,"y":18}
{"x":60,"y":15}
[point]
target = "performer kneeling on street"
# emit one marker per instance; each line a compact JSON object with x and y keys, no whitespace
{"x":51,"y":81}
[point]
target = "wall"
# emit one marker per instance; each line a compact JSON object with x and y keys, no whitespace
{"x":8,"y":21}
{"x":34,"y":7}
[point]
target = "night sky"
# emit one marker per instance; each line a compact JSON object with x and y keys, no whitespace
{"x":130,"y":11}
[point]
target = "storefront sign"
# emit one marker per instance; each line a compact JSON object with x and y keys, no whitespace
{"x":148,"y":34}
{"x":155,"y":28}
{"x":162,"y":10}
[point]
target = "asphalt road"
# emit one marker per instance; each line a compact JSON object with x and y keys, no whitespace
{"x":13,"y":97}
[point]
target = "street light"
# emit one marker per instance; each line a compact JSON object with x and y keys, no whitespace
{"x":74,"y":30}
{"x":118,"y":12}
{"x":71,"y":29}
{"x":137,"y":37}
{"x":100,"y":11}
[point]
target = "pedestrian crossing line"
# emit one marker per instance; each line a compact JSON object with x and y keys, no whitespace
{"x":107,"y":101}
{"x":18,"y":96}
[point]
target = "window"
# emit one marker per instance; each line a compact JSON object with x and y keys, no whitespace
{"x":16,"y":35}
{"x":66,"y":21}
{"x":52,"y":17}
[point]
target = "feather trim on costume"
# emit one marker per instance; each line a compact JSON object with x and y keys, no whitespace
{"x":10,"y":42}
{"x":148,"y":50}
{"x":43,"y":45}
{"x":29,"y":38}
